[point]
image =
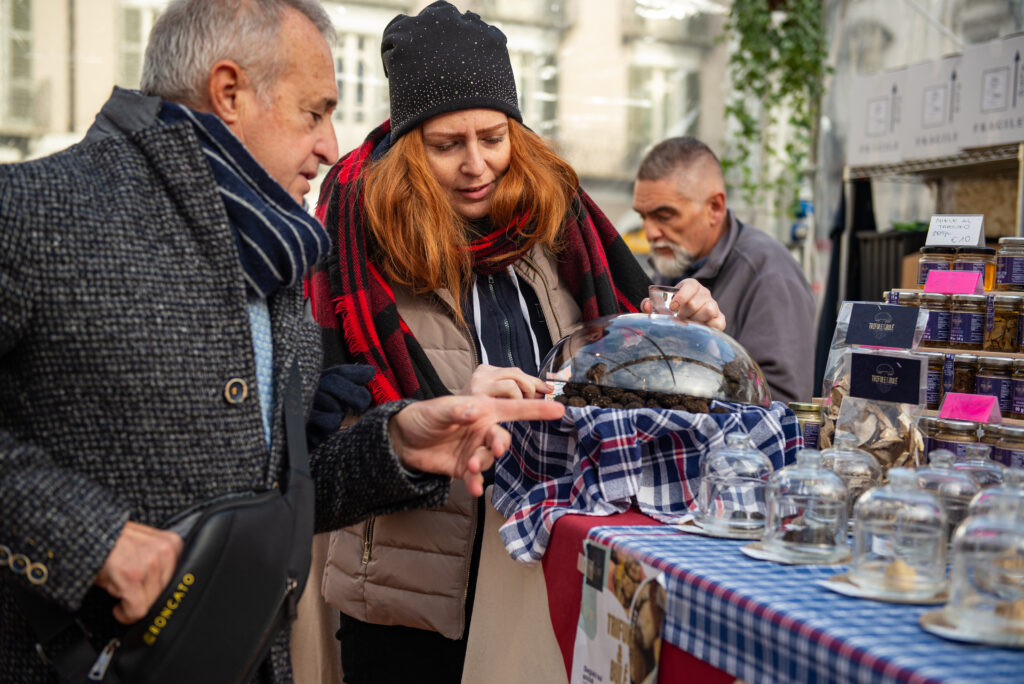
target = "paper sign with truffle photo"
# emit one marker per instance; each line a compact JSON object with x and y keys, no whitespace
{"x":622,"y":611}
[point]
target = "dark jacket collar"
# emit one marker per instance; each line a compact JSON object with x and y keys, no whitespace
{"x":127,"y":111}
{"x":720,"y":252}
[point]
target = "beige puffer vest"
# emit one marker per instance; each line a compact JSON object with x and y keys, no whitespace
{"x":412,"y":568}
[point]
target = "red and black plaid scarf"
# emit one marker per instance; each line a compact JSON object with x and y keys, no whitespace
{"x":352,"y":300}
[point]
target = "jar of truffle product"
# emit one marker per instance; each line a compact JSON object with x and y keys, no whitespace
{"x":808,"y":415}
{"x":928,"y":427}
{"x":934,"y":259}
{"x":988,"y":434}
{"x":977,"y":260}
{"x":1002,"y":323}
{"x":994,"y":379}
{"x":1010,"y":264}
{"x":967,"y":322}
{"x":1009,"y":450}
{"x":1017,"y":389}
{"x":902,"y":297}
{"x":936,"y":364}
{"x":936,"y":333}
{"x":955,"y":435}
{"x":965,"y":373}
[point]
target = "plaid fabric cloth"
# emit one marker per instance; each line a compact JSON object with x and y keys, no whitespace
{"x":765,"y":622}
{"x":601,"y":461}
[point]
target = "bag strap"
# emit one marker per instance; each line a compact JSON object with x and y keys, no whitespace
{"x":77,"y":662}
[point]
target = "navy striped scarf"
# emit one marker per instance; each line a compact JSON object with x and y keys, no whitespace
{"x":278,"y":242}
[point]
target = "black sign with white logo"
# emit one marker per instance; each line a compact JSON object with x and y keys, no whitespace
{"x":882,"y":325}
{"x":885,"y":378}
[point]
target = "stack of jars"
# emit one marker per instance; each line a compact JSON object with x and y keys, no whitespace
{"x":1006,"y":441}
{"x":981,"y":260}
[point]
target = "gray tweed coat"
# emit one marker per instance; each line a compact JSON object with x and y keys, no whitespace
{"x":122,"y":320}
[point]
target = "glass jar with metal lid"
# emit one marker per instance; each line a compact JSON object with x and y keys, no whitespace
{"x":955,"y":435}
{"x":989,"y":433}
{"x":934,"y":259}
{"x":903,"y":297}
{"x":977,"y":260}
{"x":808,"y":415}
{"x":1009,"y":450}
{"x":936,"y":365}
{"x":928,"y":427}
{"x":1010,"y":264}
{"x":965,"y":373}
{"x":1002,"y":323}
{"x":967,"y":322}
{"x":1017,"y":389}
{"x":994,"y":379}
{"x":936,"y":333}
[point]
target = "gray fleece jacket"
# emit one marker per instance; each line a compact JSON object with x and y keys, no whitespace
{"x":767,"y":305}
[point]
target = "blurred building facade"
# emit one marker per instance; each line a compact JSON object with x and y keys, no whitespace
{"x":602,"y":79}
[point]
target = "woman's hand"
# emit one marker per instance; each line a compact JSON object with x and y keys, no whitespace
{"x":504,"y":383}
{"x":461,"y":436}
{"x":693,"y":302}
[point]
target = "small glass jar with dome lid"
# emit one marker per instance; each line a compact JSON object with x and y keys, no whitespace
{"x":954,"y":488}
{"x":858,"y":468}
{"x":807,"y":520}
{"x":731,"y":499}
{"x":1009,"y":496}
{"x":899,"y":539}
{"x":976,"y":462}
{"x":986,"y":598}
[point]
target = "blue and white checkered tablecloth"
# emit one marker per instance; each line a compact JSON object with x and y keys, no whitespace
{"x":766,"y":622}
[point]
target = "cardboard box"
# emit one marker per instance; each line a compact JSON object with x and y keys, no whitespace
{"x":875,"y":122}
{"x":932,"y":109}
{"x":992,"y":109}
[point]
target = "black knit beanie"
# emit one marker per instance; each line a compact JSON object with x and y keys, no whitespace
{"x":441,"y":61}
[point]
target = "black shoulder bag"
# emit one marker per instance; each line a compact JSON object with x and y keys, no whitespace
{"x":238,"y":582}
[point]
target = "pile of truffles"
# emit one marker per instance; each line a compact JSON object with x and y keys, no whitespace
{"x":579,"y":394}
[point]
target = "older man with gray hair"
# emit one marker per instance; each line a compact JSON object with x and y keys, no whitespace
{"x":680,"y":196}
{"x":151,"y":310}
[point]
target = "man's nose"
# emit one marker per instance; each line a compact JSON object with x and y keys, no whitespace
{"x":326,"y":147}
{"x":651,"y":231}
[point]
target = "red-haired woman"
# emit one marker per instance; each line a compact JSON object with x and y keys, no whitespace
{"x":463,"y":248}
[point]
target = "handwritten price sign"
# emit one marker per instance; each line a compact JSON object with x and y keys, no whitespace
{"x":957,"y":230}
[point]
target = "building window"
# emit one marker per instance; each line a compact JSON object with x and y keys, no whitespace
{"x":362,"y":88}
{"x":135,"y":19}
{"x":16,"y":33}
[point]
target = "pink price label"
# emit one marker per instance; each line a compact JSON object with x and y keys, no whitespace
{"x":953,"y":282}
{"x":980,"y":408}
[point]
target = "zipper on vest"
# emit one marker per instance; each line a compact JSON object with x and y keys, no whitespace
{"x":504,"y":322}
{"x":368,"y":540}
{"x":547,"y":293}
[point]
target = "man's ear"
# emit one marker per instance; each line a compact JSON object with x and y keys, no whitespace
{"x":223,"y":86}
{"x":716,"y":207}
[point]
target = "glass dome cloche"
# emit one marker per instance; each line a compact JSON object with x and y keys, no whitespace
{"x":731,"y":499}
{"x":807,"y":512}
{"x":653,"y":361}
{"x":986,"y":596}
{"x":899,"y":539}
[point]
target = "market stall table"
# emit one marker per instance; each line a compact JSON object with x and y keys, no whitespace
{"x":765,"y":622}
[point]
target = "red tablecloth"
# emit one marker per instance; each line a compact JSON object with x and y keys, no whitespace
{"x":565,"y":589}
